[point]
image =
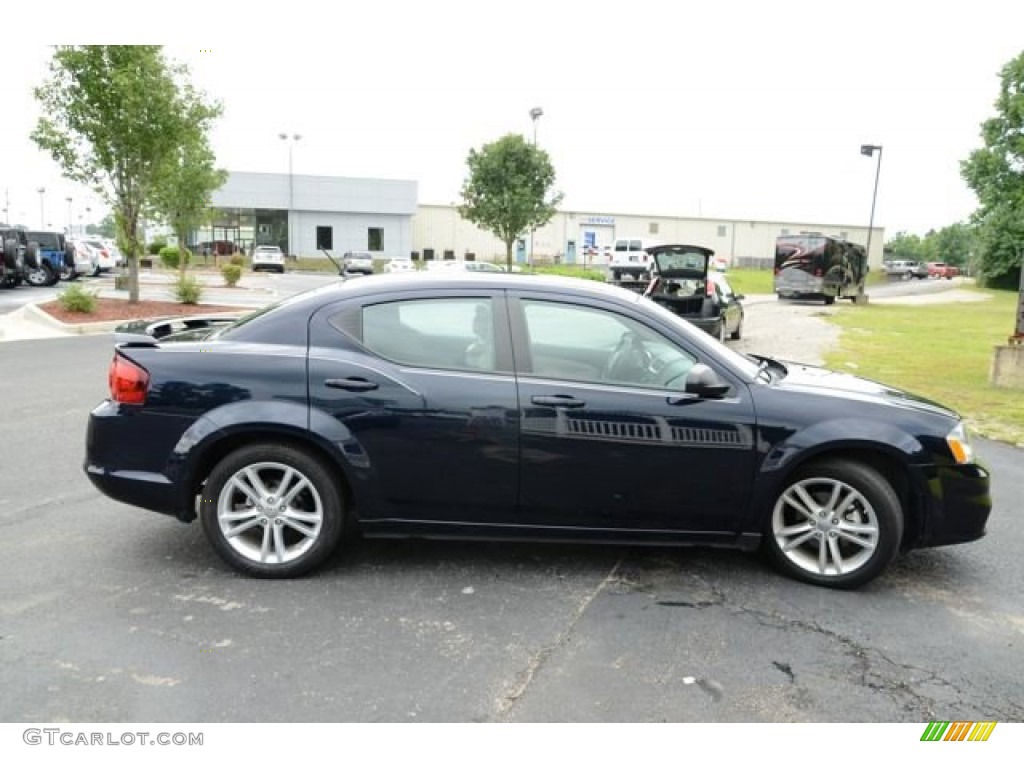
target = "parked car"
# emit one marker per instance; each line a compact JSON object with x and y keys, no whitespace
{"x":684,"y":283}
{"x":631,"y":258}
{"x":400,"y":265}
{"x":905,"y":270}
{"x":268,"y":257}
{"x":106,"y":256}
{"x":940,"y":269}
{"x":522,"y":407}
{"x":16,"y":255}
{"x":56,"y":257}
{"x":358,"y":262}
{"x":85,"y":261}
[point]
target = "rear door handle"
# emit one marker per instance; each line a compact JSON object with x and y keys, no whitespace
{"x":351,"y":385}
{"x":561,"y":401}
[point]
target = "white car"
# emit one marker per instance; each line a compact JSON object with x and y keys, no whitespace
{"x":400,"y":265}
{"x":358,"y":261}
{"x":268,"y":257}
{"x":86,"y":260}
{"x":105,"y":260}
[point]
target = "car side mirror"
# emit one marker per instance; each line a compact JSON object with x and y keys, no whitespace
{"x":739,"y":296}
{"x":704,"y":382}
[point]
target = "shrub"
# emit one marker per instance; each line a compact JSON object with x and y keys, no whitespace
{"x":75,"y":298}
{"x":232,"y":273}
{"x":238,"y":259}
{"x":170,"y":258}
{"x":188,"y":290}
{"x":154,"y":248}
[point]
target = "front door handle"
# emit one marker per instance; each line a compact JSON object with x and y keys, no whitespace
{"x":351,"y":385}
{"x":559,"y":401}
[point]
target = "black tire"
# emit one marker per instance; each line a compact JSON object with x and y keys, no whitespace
{"x":865,"y":530}
{"x":616,"y":275}
{"x":720,"y":335}
{"x":321,"y":504}
{"x":10,"y":253}
{"x":42,"y":276}
{"x":830,"y":300}
{"x":32,"y":255}
{"x":738,"y":333}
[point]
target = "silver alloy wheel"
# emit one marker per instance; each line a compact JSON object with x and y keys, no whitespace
{"x":38,"y":277}
{"x":825,"y":527}
{"x":270,"y":513}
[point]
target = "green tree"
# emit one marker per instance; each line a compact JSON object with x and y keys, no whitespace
{"x":113,"y":117}
{"x":954,"y":244}
{"x":181,"y":193}
{"x":996,"y":174}
{"x":106,"y":227}
{"x":509,"y":189}
{"x":903,"y":246}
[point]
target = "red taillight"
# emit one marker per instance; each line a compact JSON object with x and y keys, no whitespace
{"x":709,"y":288}
{"x":128,"y":381}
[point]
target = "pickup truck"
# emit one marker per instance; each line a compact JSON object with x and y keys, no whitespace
{"x":939,"y":269}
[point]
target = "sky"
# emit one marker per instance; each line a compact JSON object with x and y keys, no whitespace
{"x":738,"y":110}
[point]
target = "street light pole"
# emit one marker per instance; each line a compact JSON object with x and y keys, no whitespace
{"x":71,"y":221}
{"x":42,"y":208}
{"x":535,"y":115}
{"x":868,"y":150}
{"x":290,"y":139}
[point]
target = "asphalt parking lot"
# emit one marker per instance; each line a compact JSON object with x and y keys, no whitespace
{"x":108,"y":613}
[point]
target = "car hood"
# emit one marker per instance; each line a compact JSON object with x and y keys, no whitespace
{"x":822,"y":381}
{"x":682,"y":261}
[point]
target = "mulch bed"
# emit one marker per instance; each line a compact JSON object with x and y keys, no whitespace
{"x":121,"y":309}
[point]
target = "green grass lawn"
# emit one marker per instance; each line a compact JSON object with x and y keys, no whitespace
{"x":750,"y":281}
{"x":941,"y":351}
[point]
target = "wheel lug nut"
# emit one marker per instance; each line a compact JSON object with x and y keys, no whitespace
{"x":832,"y":534}
{"x":835,"y":521}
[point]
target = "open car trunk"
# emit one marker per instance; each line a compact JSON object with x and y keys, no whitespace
{"x":681,"y":279}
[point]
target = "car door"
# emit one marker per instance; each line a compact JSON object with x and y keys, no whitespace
{"x":424,"y":384}
{"x":609,"y":437}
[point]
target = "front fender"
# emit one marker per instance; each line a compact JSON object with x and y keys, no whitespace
{"x":833,"y":436}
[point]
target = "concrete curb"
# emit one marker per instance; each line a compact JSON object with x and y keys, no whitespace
{"x":30,"y":322}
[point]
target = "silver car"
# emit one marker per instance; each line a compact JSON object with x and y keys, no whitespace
{"x":359,"y":261}
{"x":268,"y":257}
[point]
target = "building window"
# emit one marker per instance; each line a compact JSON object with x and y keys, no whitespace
{"x":375,"y":239}
{"x":652,"y":228}
{"x":721,"y":230}
{"x":325,"y":238}
{"x":784,"y":232}
{"x":844,"y":235}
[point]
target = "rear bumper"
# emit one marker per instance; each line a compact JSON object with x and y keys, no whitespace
{"x":130,"y":457}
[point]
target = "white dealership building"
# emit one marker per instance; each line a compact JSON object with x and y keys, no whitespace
{"x":304,"y":214}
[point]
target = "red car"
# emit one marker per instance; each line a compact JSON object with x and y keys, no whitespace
{"x":939,"y":269}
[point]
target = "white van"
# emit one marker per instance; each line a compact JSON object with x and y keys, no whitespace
{"x":630,"y":257}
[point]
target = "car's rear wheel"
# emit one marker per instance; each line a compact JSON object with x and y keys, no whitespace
{"x":738,"y":333}
{"x":836,"y":524}
{"x":272,"y":511}
{"x":720,"y":334}
{"x":830,"y":300}
{"x":42,"y":276}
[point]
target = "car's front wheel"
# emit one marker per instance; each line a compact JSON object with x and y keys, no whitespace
{"x":272,"y":510}
{"x":836,"y":524}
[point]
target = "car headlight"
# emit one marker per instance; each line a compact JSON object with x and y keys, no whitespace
{"x":960,"y":445}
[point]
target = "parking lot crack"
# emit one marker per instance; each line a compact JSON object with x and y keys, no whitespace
{"x":541,"y":656}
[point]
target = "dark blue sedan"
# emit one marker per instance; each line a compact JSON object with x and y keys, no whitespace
{"x":522,"y":407}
